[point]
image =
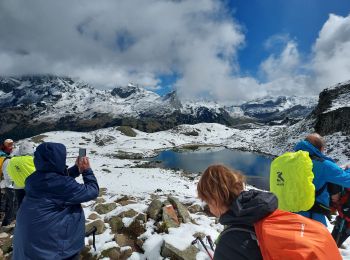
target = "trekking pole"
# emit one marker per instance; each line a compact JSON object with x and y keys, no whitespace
{"x":202,"y":243}
{"x":93,"y":232}
{"x":211,"y":243}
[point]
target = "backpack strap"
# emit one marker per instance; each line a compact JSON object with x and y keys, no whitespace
{"x":242,"y":229}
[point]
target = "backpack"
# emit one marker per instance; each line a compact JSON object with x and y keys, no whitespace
{"x":288,"y":236}
{"x":2,"y":159}
{"x":291,"y":179}
{"x":19,"y":168}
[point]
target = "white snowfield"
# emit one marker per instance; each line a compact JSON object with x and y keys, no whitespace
{"x":120,"y":178}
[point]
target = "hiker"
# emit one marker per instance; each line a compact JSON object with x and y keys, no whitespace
{"x":19,"y":168}
{"x":254,"y":227}
{"x":8,"y":199}
{"x":341,"y":229}
{"x":222,"y":189}
{"x":325,"y":171}
{"x":50,"y":223}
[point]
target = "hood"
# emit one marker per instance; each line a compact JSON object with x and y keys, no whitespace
{"x":250,"y":207}
{"x":50,"y":157}
{"x":25,"y":148}
{"x":308,"y":147}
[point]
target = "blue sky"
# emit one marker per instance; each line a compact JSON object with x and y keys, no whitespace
{"x":301,"y":20}
{"x":227,"y":51}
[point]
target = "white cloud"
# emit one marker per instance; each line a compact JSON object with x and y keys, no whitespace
{"x":111,"y":42}
{"x":331,"y":62}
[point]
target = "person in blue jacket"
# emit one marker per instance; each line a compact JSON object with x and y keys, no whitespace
{"x":325,"y":171}
{"x":50,"y":223}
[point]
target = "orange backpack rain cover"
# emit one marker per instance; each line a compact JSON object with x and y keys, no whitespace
{"x":289,"y":236}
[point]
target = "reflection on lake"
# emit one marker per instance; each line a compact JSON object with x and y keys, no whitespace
{"x":256,"y":167}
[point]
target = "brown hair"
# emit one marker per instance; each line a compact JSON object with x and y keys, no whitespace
{"x":220,"y":184}
{"x":316,"y":140}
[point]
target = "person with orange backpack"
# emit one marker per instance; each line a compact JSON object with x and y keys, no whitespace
{"x":254,"y":227}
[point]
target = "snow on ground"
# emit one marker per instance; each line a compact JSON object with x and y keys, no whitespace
{"x":124,"y":176}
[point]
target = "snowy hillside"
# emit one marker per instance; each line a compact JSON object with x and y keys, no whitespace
{"x":133,"y":187}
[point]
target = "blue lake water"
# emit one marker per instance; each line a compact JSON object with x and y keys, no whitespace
{"x":255,"y":167}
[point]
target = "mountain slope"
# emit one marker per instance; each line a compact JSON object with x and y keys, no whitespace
{"x":38,"y":103}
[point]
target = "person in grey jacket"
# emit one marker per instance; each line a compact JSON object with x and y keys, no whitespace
{"x":223,"y":190}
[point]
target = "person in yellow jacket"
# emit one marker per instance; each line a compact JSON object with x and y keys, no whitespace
{"x":20,"y":167}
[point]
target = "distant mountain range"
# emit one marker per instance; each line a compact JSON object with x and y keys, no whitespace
{"x":39,"y":103}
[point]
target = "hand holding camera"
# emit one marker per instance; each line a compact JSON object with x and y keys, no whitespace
{"x":82,"y":161}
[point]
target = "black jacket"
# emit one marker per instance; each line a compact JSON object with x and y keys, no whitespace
{"x":248,"y":208}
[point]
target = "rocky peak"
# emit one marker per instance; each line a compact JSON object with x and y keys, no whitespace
{"x":333,"y":110}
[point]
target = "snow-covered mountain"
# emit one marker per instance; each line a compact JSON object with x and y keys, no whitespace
{"x":34,"y":104}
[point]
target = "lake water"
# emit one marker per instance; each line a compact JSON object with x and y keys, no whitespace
{"x":255,"y":166}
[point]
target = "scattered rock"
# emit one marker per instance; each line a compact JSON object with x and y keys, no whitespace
{"x":85,"y":254}
{"x":141,"y":217}
{"x":102,"y":192}
{"x":181,"y":209}
{"x":154,"y":209}
{"x":113,"y":253}
{"x":135,"y":229}
{"x":116,"y":224}
{"x":125,"y":253}
{"x":93,"y":216}
{"x":6,"y":244}
{"x":99,"y":224}
{"x":127,"y":130}
{"x":128,"y":214}
{"x":139,"y":242}
{"x":105,"y":208}
{"x":100,"y":200}
{"x":123,"y":240}
{"x":102,"y":140}
{"x":176,"y":254}
{"x":169,"y":217}
{"x":195,"y":208}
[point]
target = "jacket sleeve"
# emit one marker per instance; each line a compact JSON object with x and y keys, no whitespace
{"x":77,"y":193}
{"x":73,"y":171}
{"x":334,"y":174}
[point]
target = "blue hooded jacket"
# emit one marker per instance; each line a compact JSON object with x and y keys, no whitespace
{"x":50,"y":223}
{"x":324,"y":171}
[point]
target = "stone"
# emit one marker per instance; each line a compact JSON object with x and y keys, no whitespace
{"x":181,"y":209}
{"x":139,"y":242}
{"x":6,"y":244}
{"x":105,"y":208}
{"x":126,"y":253}
{"x":154,"y":209}
{"x":85,"y":254}
{"x":116,"y":224}
{"x":123,"y":240}
{"x":100,"y":200}
{"x":128,"y":214}
{"x":127,"y":202}
{"x":169,"y":217}
{"x":173,"y":253}
{"x":99,"y":224}
{"x":102,"y":192}
{"x":113,"y":253}
{"x":94,"y":216}
{"x":135,"y":229}
{"x":195,"y":208}
{"x":141,"y":217}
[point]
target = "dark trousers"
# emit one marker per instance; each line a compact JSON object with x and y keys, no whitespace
{"x":10,"y":207}
{"x":20,"y":193}
{"x":340,"y":231}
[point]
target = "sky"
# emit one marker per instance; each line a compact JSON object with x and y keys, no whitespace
{"x":224,"y":50}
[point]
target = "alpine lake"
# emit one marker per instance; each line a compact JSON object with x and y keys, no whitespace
{"x":256,"y":167}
